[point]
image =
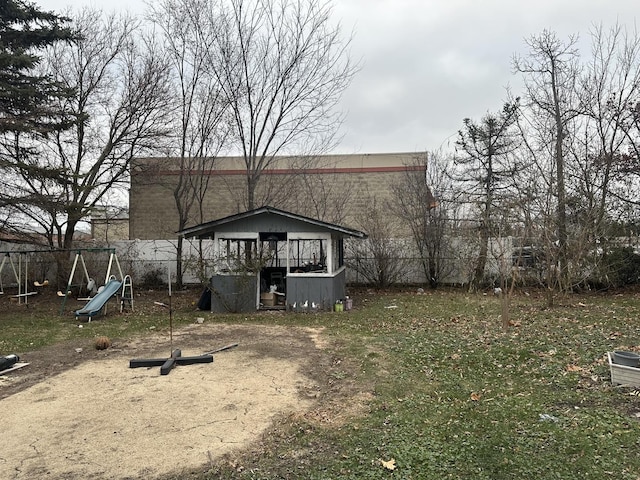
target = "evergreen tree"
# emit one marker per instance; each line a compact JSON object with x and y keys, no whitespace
{"x":26,"y":96}
{"x":486,"y":171}
{"x":29,"y":104}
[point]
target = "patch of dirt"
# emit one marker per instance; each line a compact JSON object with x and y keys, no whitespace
{"x":72,"y":415}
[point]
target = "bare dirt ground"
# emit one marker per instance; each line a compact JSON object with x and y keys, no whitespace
{"x":71,"y":415}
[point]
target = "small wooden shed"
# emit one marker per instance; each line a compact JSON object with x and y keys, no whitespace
{"x":273,"y":259}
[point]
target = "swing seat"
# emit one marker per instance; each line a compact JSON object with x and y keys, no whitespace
{"x":20,"y":295}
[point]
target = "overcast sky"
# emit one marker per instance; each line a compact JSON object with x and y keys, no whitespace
{"x":428,"y":64}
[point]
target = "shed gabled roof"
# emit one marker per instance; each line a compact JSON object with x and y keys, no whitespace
{"x":207,"y":229}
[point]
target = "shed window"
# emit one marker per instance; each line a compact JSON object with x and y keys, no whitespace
{"x":273,"y":248}
{"x":238,"y":254}
{"x":308,"y":255}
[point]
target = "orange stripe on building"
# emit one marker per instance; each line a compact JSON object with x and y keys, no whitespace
{"x":299,"y":171}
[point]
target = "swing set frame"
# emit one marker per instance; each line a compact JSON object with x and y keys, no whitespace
{"x":21,"y":274}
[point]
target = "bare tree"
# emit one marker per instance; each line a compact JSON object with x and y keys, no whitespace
{"x":381,"y":258}
{"x":282,"y":66}
{"x":201,"y":126}
{"x":317,"y":190}
{"x":610,"y":90}
{"x":614,"y":89}
{"x":325,"y":197}
{"x":551,"y":73}
{"x":122,"y":95}
{"x":596,"y":197}
{"x":119,"y":110}
{"x":421,"y":200}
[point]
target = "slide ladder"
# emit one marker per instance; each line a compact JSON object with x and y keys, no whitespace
{"x":127,"y":293}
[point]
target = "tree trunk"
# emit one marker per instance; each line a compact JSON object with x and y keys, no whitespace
{"x":551,"y":282}
{"x":481,"y":263}
{"x":252,"y":183}
{"x":64,"y":259}
{"x":504,"y":307}
{"x":433,"y":273}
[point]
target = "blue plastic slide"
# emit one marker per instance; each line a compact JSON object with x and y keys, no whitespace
{"x":93,"y":307}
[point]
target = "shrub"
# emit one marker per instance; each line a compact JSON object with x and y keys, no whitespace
{"x":153,"y":278}
{"x":621,"y":266}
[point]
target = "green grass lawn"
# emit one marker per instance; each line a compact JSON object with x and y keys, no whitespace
{"x":450,"y":394}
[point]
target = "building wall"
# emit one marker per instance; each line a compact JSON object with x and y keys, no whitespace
{"x":338,"y":189}
{"x":107,"y":231}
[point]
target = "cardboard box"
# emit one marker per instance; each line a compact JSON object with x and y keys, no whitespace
{"x":268,"y":299}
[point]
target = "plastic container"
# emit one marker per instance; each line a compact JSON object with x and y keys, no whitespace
{"x":348,"y":303}
{"x":630,"y":359}
{"x":622,"y":374}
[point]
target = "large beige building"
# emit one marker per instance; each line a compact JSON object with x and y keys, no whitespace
{"x":107,"y":227}
{"x":339,"y":189}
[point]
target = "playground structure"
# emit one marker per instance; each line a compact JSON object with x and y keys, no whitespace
{"x":21,"y":274}
{"x":17,"y":263}
{"x":97,"y":299}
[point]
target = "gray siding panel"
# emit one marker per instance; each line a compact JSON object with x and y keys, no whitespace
{"x":321,"y":291}
{"x":234,"y":293}
{"x":269,"y":223}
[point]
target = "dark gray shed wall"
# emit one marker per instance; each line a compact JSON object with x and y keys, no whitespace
{"x":234,"y":293}
{"x":323,"y":291}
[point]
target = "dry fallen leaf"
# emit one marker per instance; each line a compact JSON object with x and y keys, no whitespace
{"x":475,"y":396}
{"x":389,"y":465}
{"x":455,"y":356}
{"x":573,"y":368}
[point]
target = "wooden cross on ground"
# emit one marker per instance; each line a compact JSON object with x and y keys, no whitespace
{"x":167,"y":364}
{"x":176,"y":358}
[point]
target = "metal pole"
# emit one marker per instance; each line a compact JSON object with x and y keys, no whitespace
{"x":71,"y":275}
{"x":115,"y":257}
{"x":19,"y":279}
{"x":106,"y":279}
{"x":26,"y":278}
{"x":4,"y":260}
{"x":170,"y":311}
{"x":84,"y":269}
{"x":13,"y":267}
